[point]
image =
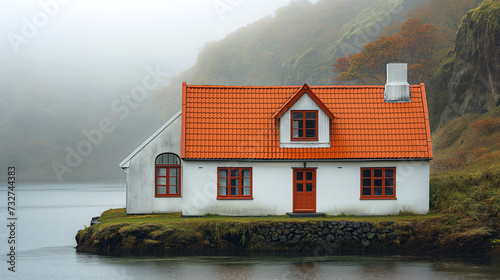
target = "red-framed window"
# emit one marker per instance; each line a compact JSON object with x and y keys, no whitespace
{"x":304,"y":125}
{"x":234,"y":183}
{"x":168,"y":176}
{"x":378,"y":183}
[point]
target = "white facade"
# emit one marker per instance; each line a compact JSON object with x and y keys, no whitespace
{"x":337,"y":188}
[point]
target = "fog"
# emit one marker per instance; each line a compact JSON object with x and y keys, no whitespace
{"x":56,"y":43}
{"x":64,"y":64}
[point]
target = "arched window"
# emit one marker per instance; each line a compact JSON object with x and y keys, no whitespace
{"x":168,"y":175}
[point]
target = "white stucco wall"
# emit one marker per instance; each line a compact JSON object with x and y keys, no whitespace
{"x":141,"y":173}
{"x":338,"y":188}
{"x":305,"y":103}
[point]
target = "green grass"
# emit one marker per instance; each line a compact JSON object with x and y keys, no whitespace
{"x":115,"y":216}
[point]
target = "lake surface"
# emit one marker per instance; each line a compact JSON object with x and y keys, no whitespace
{"x":48,"y":217}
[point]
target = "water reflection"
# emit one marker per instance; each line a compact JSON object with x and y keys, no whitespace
{"x":284,"y":268}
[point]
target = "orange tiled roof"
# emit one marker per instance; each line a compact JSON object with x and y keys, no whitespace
{"x":238,"y":122}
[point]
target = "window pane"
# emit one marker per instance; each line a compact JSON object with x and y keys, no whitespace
{"x":162,"y":190}
{"x":389,"y":173}
{"x":297,"y":115}
{"x":235,"y":191}
{"x":222,"y":190}
{"x":235,"y":173}
{"x":389,"y":191}
{"x":168,"y":159}
{"x":173,"y":172}
{"x":310,"y":132}
{"x":367,"y":182}
{"x":246,"y":173}
{"x":300,"y":187}
{"x":298,"y":124}
{"x":300,"y":176}
{"x":309,"y":176}
{"x":162,"y":181}
{"x":223,"y":182}
{"x":377,"y":191}
{"x":300,"y":133}
{"x":162,"y":172}
{"x":377,"y":183}
{"x":246,"y":182}
{"x":173,"y":189}
{"x":235,"y":182}
{"x":389,"y":182}
{"x":222,"y":173}
{"x":311,"y":124}
{"x":310,"y":115}
{"x":377,"y":173}
{"x":309,"y":187}
{"x":367,"y":191}
{"x":173,"y":181}
{"x":295,"y":133}
{"x":367,"y":173}
{"x":246,"y":191}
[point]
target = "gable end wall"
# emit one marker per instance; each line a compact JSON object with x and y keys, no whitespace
{"x":141,"y":174}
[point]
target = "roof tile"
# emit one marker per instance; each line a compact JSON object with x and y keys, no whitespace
{"x":236,"y":122}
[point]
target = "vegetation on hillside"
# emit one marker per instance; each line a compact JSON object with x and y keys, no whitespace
{"x":468,"y":145}
{"x":297,"y":45}
{"x":424,"y":41}
{"x":446,"y":15}
{"x":414,"y":44}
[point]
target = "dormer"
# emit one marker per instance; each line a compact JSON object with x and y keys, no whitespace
{"x":304,"y":121}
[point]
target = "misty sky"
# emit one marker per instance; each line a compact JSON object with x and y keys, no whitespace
{"x":63,"y":46}
{"x":66,"y":65}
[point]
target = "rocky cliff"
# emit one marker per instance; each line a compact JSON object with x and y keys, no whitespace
{"x":473,"y":67}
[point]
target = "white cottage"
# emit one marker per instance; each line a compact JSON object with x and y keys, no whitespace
{"x":271,"y":150}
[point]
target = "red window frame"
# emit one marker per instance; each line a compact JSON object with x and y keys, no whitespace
{"x":304,"y":129}
{"x":232,"y":183}
{"x":172,"y":165}
{"x":377,"y":183}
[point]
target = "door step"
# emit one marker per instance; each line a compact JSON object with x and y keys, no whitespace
{"x":299,"y":215}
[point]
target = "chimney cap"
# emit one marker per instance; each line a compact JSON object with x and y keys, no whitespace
{"x":397,"y":88}
{"x":397,"y":73}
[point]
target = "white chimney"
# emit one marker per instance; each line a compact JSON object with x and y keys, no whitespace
{"x":397,"y":88}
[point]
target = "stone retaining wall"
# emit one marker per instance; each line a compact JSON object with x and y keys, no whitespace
{"x":343,"y":236}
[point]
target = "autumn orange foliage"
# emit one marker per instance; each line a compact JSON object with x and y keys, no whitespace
{"x":486,"y":126}
{"x":414,"y":44}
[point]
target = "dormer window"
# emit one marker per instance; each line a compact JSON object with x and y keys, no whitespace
{"x":304,"y":121}
{"x":304,"y":125}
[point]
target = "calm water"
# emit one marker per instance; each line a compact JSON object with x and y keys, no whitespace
{"x":50,"y":215}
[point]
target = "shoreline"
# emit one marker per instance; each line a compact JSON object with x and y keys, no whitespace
{"x":171,"y":235}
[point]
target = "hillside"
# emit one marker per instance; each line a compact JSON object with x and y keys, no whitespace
{"x":468,"y":79}
{"x":468,"y":136}
{"x":297,"y":45}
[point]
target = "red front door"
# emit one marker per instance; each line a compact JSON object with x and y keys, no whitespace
{"x":304,"y":190}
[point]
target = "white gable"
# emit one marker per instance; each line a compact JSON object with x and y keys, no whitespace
{"x":126,"y":162}
{"x":305,"y":103}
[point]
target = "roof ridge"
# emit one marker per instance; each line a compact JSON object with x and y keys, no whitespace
{"x":291,"y":86}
